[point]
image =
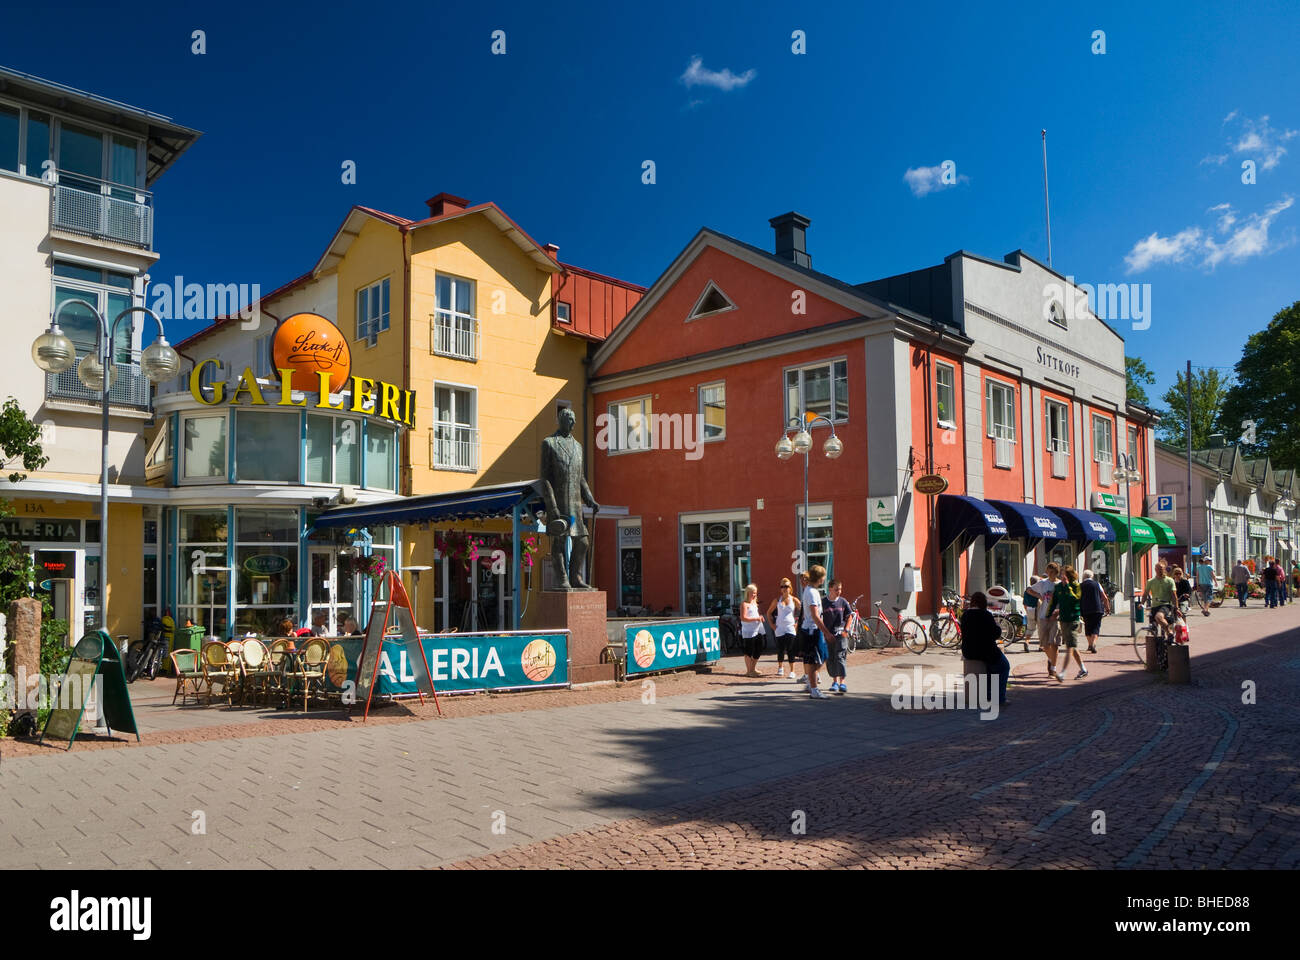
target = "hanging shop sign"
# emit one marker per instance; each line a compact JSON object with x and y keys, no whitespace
{"x":266,"y":564}
{"x":1113,"y":502}
{"x":310,"y":355}
{"x":880,"y":523}
{"x":671,"y":644}
{"x":930,"y":484}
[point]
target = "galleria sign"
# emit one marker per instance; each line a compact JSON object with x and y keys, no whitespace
{"x":311,"y":356}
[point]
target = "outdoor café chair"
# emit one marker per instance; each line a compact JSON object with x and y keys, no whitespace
{"x":308,"y":668}
{"x":189,"y":674}
{"x":257,"y":669}
{"x":219,"y":669}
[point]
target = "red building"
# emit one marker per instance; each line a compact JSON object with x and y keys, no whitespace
{"x":974,"y":370}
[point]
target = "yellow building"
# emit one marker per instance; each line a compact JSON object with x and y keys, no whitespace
{"x":489,"y":330}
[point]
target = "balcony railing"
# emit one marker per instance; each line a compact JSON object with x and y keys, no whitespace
{"x":455,"y":336}
{"x":96,"y":208}
{"x":453,"y":446}
{"x":131,"y":389}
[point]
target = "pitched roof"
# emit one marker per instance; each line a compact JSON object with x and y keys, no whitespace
{"x":220,"y":323}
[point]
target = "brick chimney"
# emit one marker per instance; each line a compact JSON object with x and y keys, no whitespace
{"x":791,"y":243}
{"x":445,"y":203}
{"x":552,"y":251}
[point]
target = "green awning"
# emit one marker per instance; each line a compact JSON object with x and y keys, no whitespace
{"x":1144,"y":538}
{"x":1164,"y":533}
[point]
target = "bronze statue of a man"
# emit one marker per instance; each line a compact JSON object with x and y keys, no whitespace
{"x":564,"y":491}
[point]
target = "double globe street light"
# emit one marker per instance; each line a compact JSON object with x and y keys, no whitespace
{"x":1126,"y":473}
{"x":53,"y":352}
{"x":801,"y":443}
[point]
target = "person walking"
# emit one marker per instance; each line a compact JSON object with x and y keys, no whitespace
{"x":1067,"y":607}
{"x":836,"y":617}
{"x":1205,"y":583}
{"x":1269,"y":577}
{"x":1183,"y":588}
{"x":1030,"y":600}
{"x":814,"y":630}
{"x":1240,"y":580}
{"x":781,"y":614}
{"x":753,"y":630}
{"x":1048,"y":631}
{"x":979,"y":641}
{"x":1095,"y":605}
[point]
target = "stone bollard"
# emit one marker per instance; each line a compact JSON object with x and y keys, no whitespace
{"x":1153,"y":654}
{"x":1180,"y":663}
{"x":24,"y":624}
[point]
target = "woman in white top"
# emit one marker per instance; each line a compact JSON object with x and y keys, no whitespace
{"x":752,"y":630}
{"x":781,"y":615}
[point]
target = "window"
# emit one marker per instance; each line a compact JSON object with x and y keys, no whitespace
{"x":821,"y":548}
{"x":1133,"y":445}
{"x":9,"y":127}
{"x":372,"y":311}
{"x":1006,"y":566}
{"x":453,"y":443}
{"x":205,"y":447}
{"x":715,"y":562}
{"x":38,"y":144}
{"x":1000,"y":410}
{"x":951,"y":570}
{"x":455,"y":329}
{"x":711,"y":301}
{"x":109,"y":291}
{"x":266,"y":446}
{"x":263,"y":363}
{"x":333,"y":453}
{"x":1058,"y":427}
{"x":266,"y":565}
{"x":820,"y":389}
{"x":381,"y":457}
{"x":945,"y":395}
{"x":1103,"y":450}
{"x":628,"y":425}
{"x":713,"y":410}
{"x":203,"y":593}
{"x":562,"y":313}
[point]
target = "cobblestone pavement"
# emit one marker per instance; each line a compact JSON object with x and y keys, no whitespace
{"x":1185,"y":776}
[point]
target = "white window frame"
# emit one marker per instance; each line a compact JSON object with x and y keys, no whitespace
{"x":1056,"y":444}
{"x":1109,"y":433}
{"x":1132,"y":446}
{"x":709,"y":287}
{"x":369,"y":328}
{"x":56,"y":121}
{"x":336,"y":428}
{"x":1000,"y":431}
{"x":816,"y":511}
{"x":463,"y":327}
{"x":802,"y":370}
{"x":621,"y":435}
{"x":704,"y":429}
{"x":951,"y":385}
{"x":98,"y":292}
{"x":563,"y":312}
{"x":455,"y":426}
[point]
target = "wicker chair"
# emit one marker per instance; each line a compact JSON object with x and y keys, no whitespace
{"x":189,"y":674}
{"x":257,"y":667}
{"x":219,"y":669}
{"x":308,"y":668}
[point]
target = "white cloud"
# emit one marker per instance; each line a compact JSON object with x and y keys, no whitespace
{"x":1260,"y":139}
{"x":1229,"y":116}
{"x":1218,"y":159}
{"x":923,"y":180}
{"x":698,"y":75}
{"x":1157,"y":249}
{"x":1248,"y":238}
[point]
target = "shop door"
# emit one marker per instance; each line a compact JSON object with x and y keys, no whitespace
{"x":332,"y":590}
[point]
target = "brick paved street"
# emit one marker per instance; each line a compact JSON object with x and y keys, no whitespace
{"x":1185,"y":777}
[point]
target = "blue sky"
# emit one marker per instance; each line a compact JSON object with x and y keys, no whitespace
{"x":1145,"y":141}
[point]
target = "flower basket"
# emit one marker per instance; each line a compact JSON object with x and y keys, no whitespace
{"x":372,"y":566}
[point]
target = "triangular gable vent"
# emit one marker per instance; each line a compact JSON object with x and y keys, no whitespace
{"x":711,"y":301}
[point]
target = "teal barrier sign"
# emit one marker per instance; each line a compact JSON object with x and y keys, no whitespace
{"x":671,"y":644}
{"x":471,"y":661}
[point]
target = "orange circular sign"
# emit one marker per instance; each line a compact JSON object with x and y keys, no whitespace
{"x":643,"y":648}
{"x":538,"y":660}
{"x":308,"y":344}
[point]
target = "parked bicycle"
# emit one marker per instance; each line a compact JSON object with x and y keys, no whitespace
{"x":1014,"y":630}
{"x":855,"y":631}
{"x":882,"y":632}
{"x":143,"y":657}
{"x":945,"y":628}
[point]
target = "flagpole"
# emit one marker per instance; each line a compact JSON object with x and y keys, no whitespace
{"x":1189,"y":466}
{"x":1047,"y":203}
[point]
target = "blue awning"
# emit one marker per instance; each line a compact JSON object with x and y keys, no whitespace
{"x":1084,"y":526}
{"x":962,"y":519}
{"x":1029,"y":521}
{"x":482,"y":503}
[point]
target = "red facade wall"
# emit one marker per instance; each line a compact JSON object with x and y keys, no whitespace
{"x":597,"y":303}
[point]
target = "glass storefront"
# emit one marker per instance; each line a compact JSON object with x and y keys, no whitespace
{"x":715,"y":564}
{"x":203,"y":581}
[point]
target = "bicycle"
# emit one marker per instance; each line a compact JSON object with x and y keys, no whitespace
{"x":1164,"y":638}
{"x":881,"y":631}
{"x":1014,"y":630}
{"x":143,"y":657}
{"x":945,"y":628}
{"x":855,"y":630}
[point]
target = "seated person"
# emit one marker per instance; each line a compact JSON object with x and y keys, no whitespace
{"x":979,"y":641}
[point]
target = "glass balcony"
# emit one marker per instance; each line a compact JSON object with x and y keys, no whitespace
{"x":96,"y":208}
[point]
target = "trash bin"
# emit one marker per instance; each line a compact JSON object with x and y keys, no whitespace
{"x":188,"y":638}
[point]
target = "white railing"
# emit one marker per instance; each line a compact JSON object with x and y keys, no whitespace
{"x":455,"y":336}
{"x":1061,"y":462}
{"x":1105,"y":473}
{"x":453,"y":446}
{"x":1002,"y":452}
{"x":100,"y":209}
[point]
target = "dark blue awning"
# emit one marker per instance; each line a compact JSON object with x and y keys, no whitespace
{"x":962,"y":519}
{"x":483,"y":503}
{"x":1029,"y":521}
{"x":1084,"y":526}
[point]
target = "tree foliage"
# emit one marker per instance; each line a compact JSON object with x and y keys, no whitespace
{"x":1267,"y":390}
{"x":1209,"y":388}
{"x":1138,"y":376}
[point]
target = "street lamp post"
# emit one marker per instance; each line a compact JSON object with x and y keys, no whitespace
{"x":53,"y":352}
{"x":802,"y":443}
{"x":1127,"y":473}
